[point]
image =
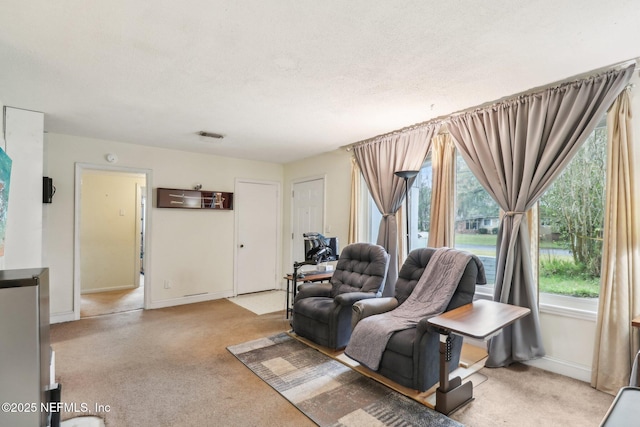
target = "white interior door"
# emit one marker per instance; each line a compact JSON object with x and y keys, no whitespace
{"x":308,"y":212}
{"x":257,"y":206}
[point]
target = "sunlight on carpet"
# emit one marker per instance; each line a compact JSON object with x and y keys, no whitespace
{"x":262,"y":302}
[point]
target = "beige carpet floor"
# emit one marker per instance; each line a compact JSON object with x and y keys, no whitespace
{"x":170,"y":367}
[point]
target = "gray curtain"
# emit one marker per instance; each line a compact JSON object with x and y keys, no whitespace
{"x":516,"y":149}
{"x":378,"y":160}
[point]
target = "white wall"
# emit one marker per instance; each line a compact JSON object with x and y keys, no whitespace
{"x":335,"y":166}
{"x":194,"y":250}
{"x":24,"y":144}
{"x":568,"y":341}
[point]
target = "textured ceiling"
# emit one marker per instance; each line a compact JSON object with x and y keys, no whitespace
{"x":287,"y":79}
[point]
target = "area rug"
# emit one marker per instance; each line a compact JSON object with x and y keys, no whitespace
{"x":329,"y":392}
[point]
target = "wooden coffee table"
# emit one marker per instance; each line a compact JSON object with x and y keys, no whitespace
{"x":481,"y":320}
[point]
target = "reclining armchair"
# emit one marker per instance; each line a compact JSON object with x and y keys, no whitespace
{"x":322,"y":311}
{"x":411,"y":356}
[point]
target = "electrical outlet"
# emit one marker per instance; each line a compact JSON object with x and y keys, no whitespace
{"x":167,"y":284}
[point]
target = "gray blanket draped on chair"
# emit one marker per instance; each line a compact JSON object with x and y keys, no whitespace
{"x":430,"y":297}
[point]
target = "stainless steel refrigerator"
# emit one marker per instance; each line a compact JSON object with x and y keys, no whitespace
{"x":25,"y":351}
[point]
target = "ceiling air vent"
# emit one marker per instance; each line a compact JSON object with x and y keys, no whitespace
{"x":210,"y":135}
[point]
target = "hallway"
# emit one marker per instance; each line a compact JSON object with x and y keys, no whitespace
{"x":99,"y":303}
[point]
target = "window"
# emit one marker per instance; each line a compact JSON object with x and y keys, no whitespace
{"x":420,"y":207}
{"x":477,"y":219}
{"x":571,"y":221}
{"x":374,"y":219}
{"x":477,"y":215}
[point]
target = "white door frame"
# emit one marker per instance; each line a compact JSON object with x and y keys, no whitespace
{"x":236,"y":238}
{"x":292,"y":213}
{"x":81,"y":167}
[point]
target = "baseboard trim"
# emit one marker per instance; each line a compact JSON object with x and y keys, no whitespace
{"x":562,"y":367}
{"x":549,"y":363}
{"x":108,"y":289}
{"x":189,"y":299}
{"x":62,"y":317}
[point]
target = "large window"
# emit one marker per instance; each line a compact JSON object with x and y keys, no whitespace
{"x":571,"y":221}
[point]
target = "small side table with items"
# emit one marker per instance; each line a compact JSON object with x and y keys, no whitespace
{"x":316,"y":276}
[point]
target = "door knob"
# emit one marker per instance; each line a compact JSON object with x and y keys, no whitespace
{"x":242,"y":246}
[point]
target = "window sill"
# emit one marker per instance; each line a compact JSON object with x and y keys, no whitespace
{"x":558,"y":305}
{"x":484,"y":292}
{"x":562,"y":305}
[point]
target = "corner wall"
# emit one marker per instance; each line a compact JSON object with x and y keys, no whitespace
{"x":23,"y":134}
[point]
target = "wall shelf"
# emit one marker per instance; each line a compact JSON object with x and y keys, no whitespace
{"x":194,"y":199}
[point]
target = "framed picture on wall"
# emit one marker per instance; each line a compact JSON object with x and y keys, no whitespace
{"x":5,"y":181}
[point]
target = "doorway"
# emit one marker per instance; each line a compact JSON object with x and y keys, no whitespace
{"x":257,"y":210}
{"x":307,"y":212}
{"x":109,"y":260}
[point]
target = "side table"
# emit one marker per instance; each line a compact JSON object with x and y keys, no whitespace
{"x":480,"y":320}
{"x":317,"y":277}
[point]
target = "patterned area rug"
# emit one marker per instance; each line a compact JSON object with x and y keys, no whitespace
{"x":329,"y":392}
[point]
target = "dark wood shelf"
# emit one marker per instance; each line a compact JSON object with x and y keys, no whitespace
{"x":194,"y":199}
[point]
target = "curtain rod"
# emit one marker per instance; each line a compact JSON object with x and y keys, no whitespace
{"x":432,"y":122}
{"x":440,"y":119}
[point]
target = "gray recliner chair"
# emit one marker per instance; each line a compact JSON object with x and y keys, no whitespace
{"x":322,"y":311}
{"x":412,"y":357}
